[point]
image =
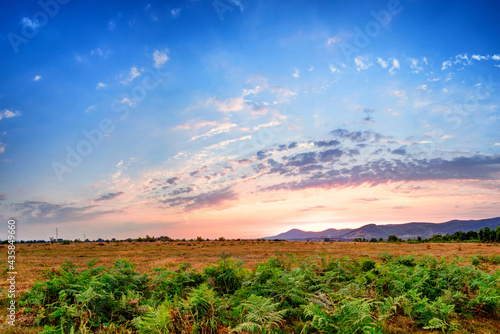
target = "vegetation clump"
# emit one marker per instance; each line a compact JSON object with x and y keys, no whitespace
{"x":281,"y":295}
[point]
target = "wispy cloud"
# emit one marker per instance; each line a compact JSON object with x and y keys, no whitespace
{"x":26,"y":22}
{"x":417,"y":64}
{"x":361,"y":63}
{"x":382,"y":63}
{"x":108,"y":196}
{"x":134,"y":73}
{"x":332,"y":40}
{"x":128,"y":101}
{"x":225,"y":127}
{"x":101,"y":85}
{"x":36,"y":78}
{"x":333,"y":69}
{"x":9,"y":114}
{"x":395,"y":66}
{"x":296,"y":73}
{"x":232,"y":104}
{"x":160,"y":57}
{"x":174,"y":13}
{"x":89,"y":109}
{"x":267,"y":125}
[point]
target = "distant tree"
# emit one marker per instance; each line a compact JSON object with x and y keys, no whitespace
{"x":199,"y":239}
{"x":392,"y":238}
{"x":222,"y":239}
{"x":497,"y":234}
{"x":481,"y":235}
{"x":381,"y":239}
{"x":326,"y":240}
{"x":419,"y":239}
{"x":373,"y":240}
{"x":487,"y":234}
{"x":471,"y":235}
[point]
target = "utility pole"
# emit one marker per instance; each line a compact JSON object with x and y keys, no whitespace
{"x":57,"y":236}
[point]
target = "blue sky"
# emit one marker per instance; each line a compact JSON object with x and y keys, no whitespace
{"x":246,"y":118}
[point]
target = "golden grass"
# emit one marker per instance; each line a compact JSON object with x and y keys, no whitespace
{"x":32,"y":260}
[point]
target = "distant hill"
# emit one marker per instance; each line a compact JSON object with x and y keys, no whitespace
{"x":403,"y":231}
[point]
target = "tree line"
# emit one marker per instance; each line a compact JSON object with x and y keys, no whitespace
{"x":484,"y":235}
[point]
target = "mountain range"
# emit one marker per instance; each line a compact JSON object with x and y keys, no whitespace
{"x":403,"y":231}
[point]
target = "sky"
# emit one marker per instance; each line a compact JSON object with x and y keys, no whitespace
{"x":246,"y":118}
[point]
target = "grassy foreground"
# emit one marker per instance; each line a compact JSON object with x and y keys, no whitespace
{"x":280,"y":293}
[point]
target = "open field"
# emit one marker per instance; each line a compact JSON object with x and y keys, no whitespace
{"x":33,"y":259}
{"x":42,"y":262}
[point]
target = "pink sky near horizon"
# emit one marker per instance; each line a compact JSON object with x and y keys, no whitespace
{"x":315,"y":209}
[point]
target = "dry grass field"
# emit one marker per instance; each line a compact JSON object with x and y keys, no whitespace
{"x":33,"y":260}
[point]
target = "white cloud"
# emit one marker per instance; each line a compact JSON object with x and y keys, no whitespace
{"x":496,"y":144}
{"x":237,"y":3}
{"x":256,"y":90}
{"x":97,"y":51}
{"x":495,"y":57}
{"x":332,"y":40}
{"x":2,"y":148}
{"x":225,"y":127}
{"x":89,"y":108}
{"x":111,"y":25}
{"x":296,"y":73}
{"x":333,"y":69}
{"x":127,"y":101}
{"x":423,"y":87}
{"x":267,"y":125}
{"x":416,"y":64}
{"x":9,"y":114}
{"x":399,"y":93}
{"x":27,"y":22}
{"x":382,"y":63}
{"x":479,"y":57}
{"x":175,"y":12}
{"x":195,"y":125}
{"x":446,"y":64}
{"x":395,"y":65}
{"x":234,"y":104}
{"x":38,"y":77}
{"x":160,"y":58}
{"x":311,"y":69}
{"x":101,"y":85}
{"x":361,"y":63}
{"x":134,"y":73}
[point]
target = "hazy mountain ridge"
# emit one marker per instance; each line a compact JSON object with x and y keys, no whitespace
{"x":404,"y":231}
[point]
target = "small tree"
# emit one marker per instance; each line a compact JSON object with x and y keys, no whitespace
{"x":392,"y":238}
